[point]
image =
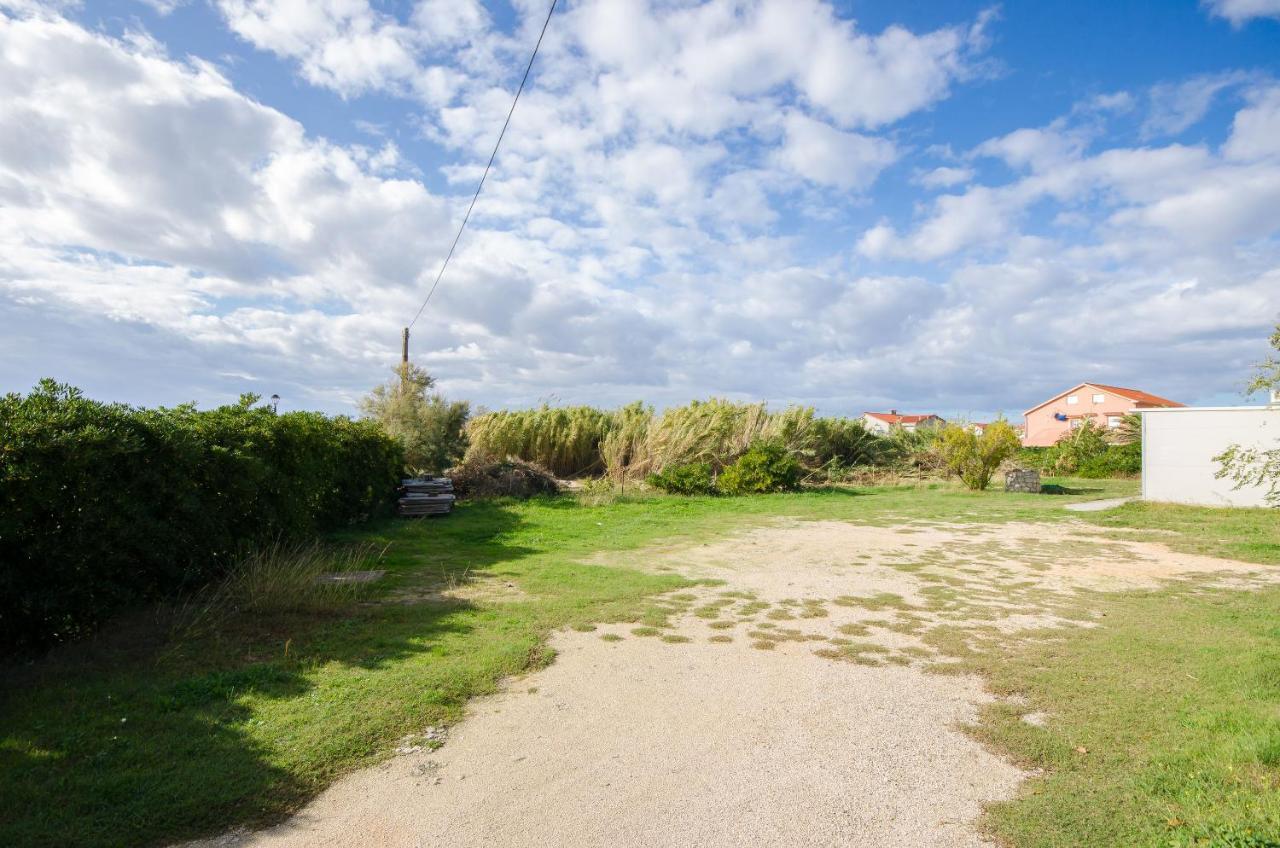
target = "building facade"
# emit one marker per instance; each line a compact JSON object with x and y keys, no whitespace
{"x":884,"y":422}
{"x":1104,"y":405}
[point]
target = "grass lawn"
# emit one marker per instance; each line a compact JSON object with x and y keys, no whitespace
{"x":136,"y":739}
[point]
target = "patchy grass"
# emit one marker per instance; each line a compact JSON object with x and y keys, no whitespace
{"x":1250,"y":535}
{"x":146,"y":737}
{"x":1164,"y":729}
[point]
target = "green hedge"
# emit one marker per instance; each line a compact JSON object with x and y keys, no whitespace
{"x":103,"y":505}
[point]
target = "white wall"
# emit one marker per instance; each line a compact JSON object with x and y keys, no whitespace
{"x":1178,"y":446}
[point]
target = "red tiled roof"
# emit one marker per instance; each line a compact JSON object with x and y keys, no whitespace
{"x":1140,"y":397}
{"x":890,"y":418}
{"x":1135,"y":395}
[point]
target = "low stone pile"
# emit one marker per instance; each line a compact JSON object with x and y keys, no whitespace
{"x":1022,"y":480}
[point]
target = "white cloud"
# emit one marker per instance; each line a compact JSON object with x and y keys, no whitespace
{"x":825,"y":155}
{"x":1240,"y":12}
{"x":642,"y":232}
{"x":944,"y":177}
{"x":1255,"y":131}
{"x":1178,"y":106}
{"x":1202,"y":200}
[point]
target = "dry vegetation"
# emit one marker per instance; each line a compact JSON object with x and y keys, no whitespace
{"x":634,"y":441}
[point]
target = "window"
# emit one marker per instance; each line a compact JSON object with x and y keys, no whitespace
{"x":1113,"y":420}
{"x":1099,"y":398}
{"x":1072,"y":400}
{"x":1076,"y":423}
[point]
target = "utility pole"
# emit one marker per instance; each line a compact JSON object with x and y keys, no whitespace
{"x":404,"y":348}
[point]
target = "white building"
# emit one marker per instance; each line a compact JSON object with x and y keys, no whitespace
{"x":1179,"y":444}
{"x":885,"y":422}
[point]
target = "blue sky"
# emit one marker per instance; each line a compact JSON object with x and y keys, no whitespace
{"x":932,"y":206}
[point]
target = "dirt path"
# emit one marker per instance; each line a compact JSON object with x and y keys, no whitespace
{"x":740,"y":725}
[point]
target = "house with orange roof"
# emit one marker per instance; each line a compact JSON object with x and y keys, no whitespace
{"x":884,"y":422}
{"x":1104,"y":405}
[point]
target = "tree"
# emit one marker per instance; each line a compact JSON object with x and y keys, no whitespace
{"x":1252,"y":466}
{"x":1266,"y":374}
{"x":430,"y":428}
{"x":973,"y":458}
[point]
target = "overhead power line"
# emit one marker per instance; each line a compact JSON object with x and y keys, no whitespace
{"x":483,"y":176}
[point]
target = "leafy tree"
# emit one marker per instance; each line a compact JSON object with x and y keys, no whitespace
{"x":1252,"y":466}
{"x":973,"y":458}
{"x":429,"y":427}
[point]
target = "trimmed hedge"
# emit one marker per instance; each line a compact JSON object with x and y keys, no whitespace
{"x":103,"y":506}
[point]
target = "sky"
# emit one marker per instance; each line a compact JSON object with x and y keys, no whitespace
{"x":929,"y":205}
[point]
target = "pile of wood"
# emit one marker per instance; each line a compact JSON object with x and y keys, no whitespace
{"x":426,"y":496}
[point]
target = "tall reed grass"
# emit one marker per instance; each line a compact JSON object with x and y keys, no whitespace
{"x":633,"y":441}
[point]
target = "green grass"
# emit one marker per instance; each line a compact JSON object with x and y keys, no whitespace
{"x":1251,"y":535}
{"x":1176,"y":705}
{"x":145,"y":741}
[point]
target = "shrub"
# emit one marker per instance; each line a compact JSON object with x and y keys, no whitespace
{"x":103,"y":506}
{"x":501,"y":478}
{"x":696,"y":478}
{"x":428,"y":427}
{"x":765,"y":467}
{"x":973,"y":458}
{"x":1114,"y":461}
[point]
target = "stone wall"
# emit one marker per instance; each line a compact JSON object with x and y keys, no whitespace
{"x":1022,"y":480}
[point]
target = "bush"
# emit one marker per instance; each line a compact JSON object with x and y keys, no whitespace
{"x":1096,"y":452}
{"x":765,"y":467}
{"x":696,"y":478}
{"x":103,"y":506}
{"x":973,"y":458}
{"x":1114,"y":461}
{"x":501,"y":478}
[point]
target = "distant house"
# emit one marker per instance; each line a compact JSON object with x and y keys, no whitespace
{"x":885,"y":422}
{"x":1106,"y":406}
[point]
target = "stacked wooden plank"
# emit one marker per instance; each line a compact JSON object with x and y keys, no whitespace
{"x":426,"y":496}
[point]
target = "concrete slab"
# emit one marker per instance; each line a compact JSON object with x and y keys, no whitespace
{"x":1099,"y":506}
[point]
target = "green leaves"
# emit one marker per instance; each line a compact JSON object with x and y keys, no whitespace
{"x":973,"y":458}
{"x":103,"y":506}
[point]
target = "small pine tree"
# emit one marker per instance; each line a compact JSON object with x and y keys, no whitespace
{"x":431,"y":428}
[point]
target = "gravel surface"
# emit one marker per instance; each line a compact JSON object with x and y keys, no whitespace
{"x":771,"y":713}
{"x":643,"y":743}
